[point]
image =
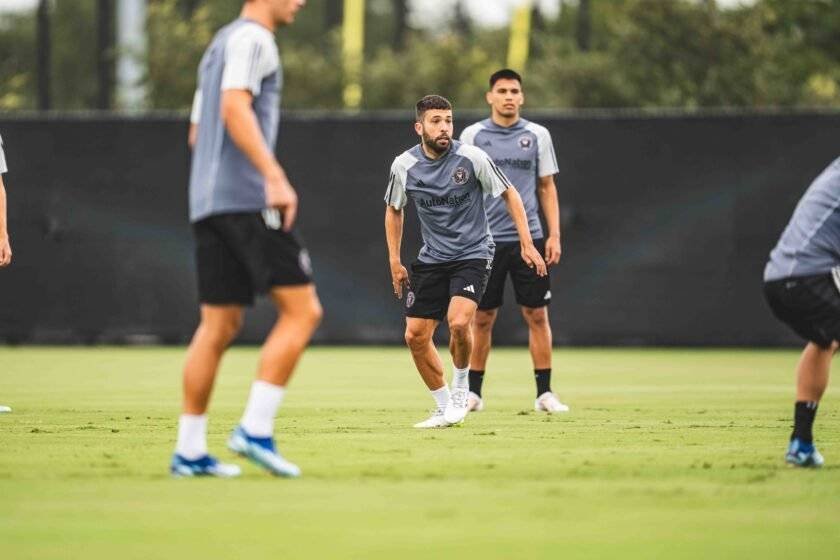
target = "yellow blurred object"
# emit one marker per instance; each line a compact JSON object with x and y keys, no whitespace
{"x":520,"y":37}
{"x":353,"y":44}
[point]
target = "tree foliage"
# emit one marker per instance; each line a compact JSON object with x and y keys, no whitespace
{"x":637,"y":53}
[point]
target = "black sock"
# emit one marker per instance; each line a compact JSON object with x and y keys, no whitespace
{"x":476,"y":377}
{"x":543,"y":379}
{"x":803,"y":420}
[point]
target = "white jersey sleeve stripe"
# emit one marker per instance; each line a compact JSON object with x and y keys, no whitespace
{"x":395,"y":195}
{"x":502,"y":177}
{"x":195,"y":113}
{"x":492,"y":180}
{"x":547,"y":164}
{"x":3,"y":168}
{"x":250,"y":56}
{"x":468,"y":134}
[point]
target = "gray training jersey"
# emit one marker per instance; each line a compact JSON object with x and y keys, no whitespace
{"x":810,"y":243}
{"x":243,"y":56}
{"x":448,"y":193}
{"x":525,"y":153}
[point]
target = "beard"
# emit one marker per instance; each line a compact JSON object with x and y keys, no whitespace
{"x":434,"y":143}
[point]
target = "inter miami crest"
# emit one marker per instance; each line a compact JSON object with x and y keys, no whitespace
{"x":525,"y":142}
{"x":409,"y":299}
{"x":460,"y":176}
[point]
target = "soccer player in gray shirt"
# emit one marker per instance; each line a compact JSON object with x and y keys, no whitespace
{"x":447,"y":181}
{"x":524,"y":151}
{"x":242,"y":207}
{"x":5,"y":245}
{"x":802,"y":286}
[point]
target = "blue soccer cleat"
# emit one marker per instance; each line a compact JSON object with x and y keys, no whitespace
{"x":801,"y":454}
{"x":205,"y":466}
{"x":262,"y":452}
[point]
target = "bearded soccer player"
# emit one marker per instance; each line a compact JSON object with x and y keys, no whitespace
{"x":242,"y":207}
{"x":447,"y":181}
{"x":525,"y":153}
{"x":802,"y":286}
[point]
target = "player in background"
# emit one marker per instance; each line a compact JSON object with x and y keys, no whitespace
{"x":802,"y":286}
{"x":447,"y":181}
{"x":5,"y":246}
{"x":525,"y":153}
{"x":243,"y":207}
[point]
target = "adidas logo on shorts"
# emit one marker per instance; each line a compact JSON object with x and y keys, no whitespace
{"x":470,"y":289}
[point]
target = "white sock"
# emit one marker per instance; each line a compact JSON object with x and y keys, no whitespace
{"x":461,"y":378}
{"x":192,"y":436}
{"x":263,"y":403}
{"x":441,"y":396}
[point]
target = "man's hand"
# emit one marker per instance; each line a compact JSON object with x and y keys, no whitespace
{"x":5,"y":252}
{"x":280,"y":194}
{"x":552,"y":250}
{"x":399,"y":277}
{"x":533,"y":259}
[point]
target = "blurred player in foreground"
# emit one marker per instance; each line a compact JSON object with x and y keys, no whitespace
{"x":802,"y":286}
{"x":243,"y":207}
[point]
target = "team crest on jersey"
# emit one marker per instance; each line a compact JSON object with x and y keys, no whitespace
{"x":525,"y":142}
{"x":409,"y":299}
{"x":461,"y":176}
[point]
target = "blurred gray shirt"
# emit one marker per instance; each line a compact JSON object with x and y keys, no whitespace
{"x":810,"y":243}
{"x":524,"y":152}
{"x":242,"y":56}
{"x":448,"y":193}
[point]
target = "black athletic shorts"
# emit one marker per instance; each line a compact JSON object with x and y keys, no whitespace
{"x":810,"y":305}
{"x":242,"y":254}
{"x":530,"y":289}
{"x":432,"y":286}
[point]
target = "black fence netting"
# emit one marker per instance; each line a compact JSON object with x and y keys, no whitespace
{"x":667,"y":223}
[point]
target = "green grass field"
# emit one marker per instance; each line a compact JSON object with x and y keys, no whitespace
{"x":666,"y":454}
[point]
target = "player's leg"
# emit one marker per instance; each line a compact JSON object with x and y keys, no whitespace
{"x":482,"y":341}
{"x":812,"y":374}
{"x":299,"y":314}
{"x":224,"y":289}
{"x":418,"y":337}
{"x":425,"y":307}
{"x":278,"y":265}
{"x":811,"y":307}
{"x":539,"y":344}
{"x":460,"y":318}
{"x":533,"y":294}
{"x":467,"y":283}
{"x":483,"y":323}
{"x":219,"y":326}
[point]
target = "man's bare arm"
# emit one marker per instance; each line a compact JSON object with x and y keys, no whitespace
{"x":242,"y":126}
{"x":516,"y":210}
{"x":393,"y":237}
{"x":5,"y":245}
{"x":192,"y":136}
{"x":547,"y":192}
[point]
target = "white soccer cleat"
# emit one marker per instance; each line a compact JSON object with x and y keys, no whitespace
{"x":456,"y":409}
{"x":436,"y":420}
{"x":548,"y":402}
{"x":474,"y":403}
{"x":5,"y":408}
